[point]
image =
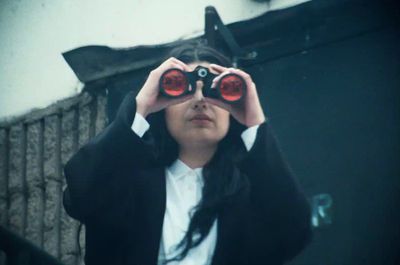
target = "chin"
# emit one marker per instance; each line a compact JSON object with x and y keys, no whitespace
{"x":204,"y":139}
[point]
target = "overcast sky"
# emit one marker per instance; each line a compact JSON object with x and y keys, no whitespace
{"x":33,"y":73}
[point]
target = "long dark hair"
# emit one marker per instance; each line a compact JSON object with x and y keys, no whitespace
{"x":223,"y":182}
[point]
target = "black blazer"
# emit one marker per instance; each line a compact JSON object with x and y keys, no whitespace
{"x":114,"y":188}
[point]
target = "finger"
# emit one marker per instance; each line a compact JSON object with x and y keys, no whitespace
{"x":243,"y":74}
{"x":167,"y":62}
{"x":251,"y":86}
{"x":184,"y":66}
{"x":174,"y":61}
{"x":216,"y":79}
{"x":218,"y":68}
{"x":169,"y":65}
{"x":246,"y":77}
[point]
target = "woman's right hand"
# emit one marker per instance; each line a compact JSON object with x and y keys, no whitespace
{"x":149,"y":98}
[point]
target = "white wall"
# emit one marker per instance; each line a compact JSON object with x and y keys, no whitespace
{"x":33,"y":34}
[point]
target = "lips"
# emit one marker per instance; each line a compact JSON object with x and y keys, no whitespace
{"x":201,"y":117}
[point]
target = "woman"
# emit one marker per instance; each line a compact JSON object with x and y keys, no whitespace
{"x":191,"y":180}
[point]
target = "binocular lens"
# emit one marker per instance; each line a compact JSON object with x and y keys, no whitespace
{"x":231,"y":88}
{"x":174,"y":83}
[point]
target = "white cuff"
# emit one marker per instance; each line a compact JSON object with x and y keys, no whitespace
{"x":140,"y":125}
{"x":249,"y":136}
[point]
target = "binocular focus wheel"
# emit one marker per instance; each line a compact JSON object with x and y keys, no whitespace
{"x":202,"y":72}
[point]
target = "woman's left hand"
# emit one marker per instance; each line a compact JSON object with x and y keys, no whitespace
{"x":248,"y":111}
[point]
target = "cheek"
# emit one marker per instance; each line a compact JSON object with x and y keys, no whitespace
{"x":223,"y":117}
{"x":173,"y":119}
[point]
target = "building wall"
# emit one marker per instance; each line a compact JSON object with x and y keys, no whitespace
{"x":33,"y":151}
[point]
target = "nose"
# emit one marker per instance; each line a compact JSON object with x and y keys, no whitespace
{"x":198,"y":97}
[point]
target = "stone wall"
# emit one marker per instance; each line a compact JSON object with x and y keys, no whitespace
{"x":33,"y":151}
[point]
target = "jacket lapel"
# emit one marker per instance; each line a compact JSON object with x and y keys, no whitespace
{"x":151,"y":192}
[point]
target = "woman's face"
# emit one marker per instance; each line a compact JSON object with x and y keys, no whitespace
{"x":196,"y":122}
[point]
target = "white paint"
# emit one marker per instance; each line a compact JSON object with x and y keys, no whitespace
{"x":33,"y":73}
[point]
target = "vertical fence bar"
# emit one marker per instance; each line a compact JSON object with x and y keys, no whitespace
{"x":35,"y":207}
{"x":52,"y":185}
{"x":16,"y":183}
{"x":4,"y":162}
{"x":59,"y":184}
{"x":92,"y":117}
{"x":101,"y":117}
{"x":42,"y":182}
{"x":69,"y":226}
{"x":84,"y":122}
{"x":24,"y":185}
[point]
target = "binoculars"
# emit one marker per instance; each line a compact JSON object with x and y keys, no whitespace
{"x":230,"y":88}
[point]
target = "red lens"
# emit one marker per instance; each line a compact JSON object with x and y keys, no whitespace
{"x":231,"y":87}
{"x":174,"y":83}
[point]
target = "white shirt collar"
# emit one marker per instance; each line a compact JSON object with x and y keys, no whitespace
{"x":179,"y":169}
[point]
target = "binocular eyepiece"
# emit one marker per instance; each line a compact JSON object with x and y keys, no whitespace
{"x":230,"y":88}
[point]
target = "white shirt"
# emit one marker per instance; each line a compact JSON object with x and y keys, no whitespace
{"x":184,"y":191}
